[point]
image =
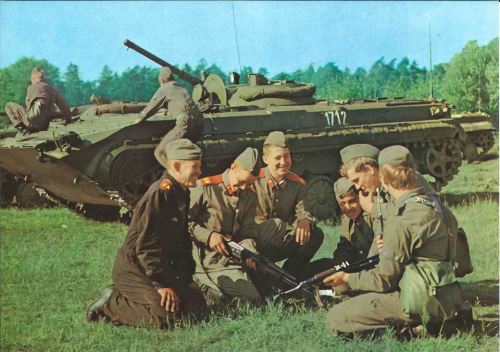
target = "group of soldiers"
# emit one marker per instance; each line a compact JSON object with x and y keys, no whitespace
{"x":175,"y":257}
{"x":175,"y":262}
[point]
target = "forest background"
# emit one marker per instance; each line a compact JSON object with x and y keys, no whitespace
{"x":469,"y":81}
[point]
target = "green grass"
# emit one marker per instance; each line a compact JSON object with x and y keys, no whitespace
{"x":54,"y":263}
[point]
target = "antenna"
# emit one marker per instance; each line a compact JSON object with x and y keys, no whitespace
{"x":430,"y":64}
{"x":236,"y":36}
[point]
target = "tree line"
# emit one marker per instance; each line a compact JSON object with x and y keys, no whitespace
{"x":469,"y":81}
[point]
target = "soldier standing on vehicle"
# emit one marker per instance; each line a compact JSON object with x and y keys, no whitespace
{"x":176,"y":99}
{"x":356,"y":238}
{"x":40,"y":99}
{"x":153,"y":270}
{"x":281,"y":205}
{"x":222,"y":209}
{"x":414,"y":279}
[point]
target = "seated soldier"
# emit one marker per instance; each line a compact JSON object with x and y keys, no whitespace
{"x":286,"y":228}
{"x":40,"y":99}
{"x":223,"y":208}
{"x":153,"y":270}
{"x":356,"y":239}
{"x":414,"y":280}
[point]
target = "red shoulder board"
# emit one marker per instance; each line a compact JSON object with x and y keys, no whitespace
{"x":262,"y":173}
{"x":295,"y":178}
{"x":211,"y":180}
{"x":165,"y":185}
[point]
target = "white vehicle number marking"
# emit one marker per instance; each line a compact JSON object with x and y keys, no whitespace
{"x":335,"y":118}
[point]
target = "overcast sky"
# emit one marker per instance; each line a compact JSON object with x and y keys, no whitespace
{"x":280,"y":36}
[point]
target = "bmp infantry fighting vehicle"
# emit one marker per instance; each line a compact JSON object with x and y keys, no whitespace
{"x":103,"y":160}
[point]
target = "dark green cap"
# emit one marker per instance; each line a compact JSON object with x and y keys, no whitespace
{"x":165,"y":74}
{"x":357,"y":151}
{"x":342,"y":186}
{"x":250,"y":160}
{"x":396,"y":155}
{"x":276,"y":138}
{"x":179,"y":149}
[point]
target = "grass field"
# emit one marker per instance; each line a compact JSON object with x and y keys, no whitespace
{"x":53,"y":263}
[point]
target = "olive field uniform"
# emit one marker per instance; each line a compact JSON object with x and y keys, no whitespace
{"x":215,"y":206}
{"x":156,"y":254}
{"x":282,"y":203}
{"x":176,"y":99}
{"x":418,"y":248}
{"x":40,"y":100}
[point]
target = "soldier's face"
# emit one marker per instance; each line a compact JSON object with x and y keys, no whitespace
{"x":278,"y":161}
{"x":240,"y":179}
{"x":364,"y":180}
{"x":189,"y":172}
{"x":350,"y":206}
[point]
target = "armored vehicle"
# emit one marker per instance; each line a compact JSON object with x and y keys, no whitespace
{"x":103,"y":160}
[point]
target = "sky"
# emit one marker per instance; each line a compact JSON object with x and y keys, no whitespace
{"x":280,"y":36}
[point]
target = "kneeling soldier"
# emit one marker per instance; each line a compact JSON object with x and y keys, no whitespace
{"x":223,"y":208}
{"x":286,"y":228}
{"x":153,"y":270}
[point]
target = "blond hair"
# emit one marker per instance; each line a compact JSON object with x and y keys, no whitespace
{"x":359,"y":164}
{"x":399,"y":176}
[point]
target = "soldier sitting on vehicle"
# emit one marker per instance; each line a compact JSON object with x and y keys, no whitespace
{"x":356,"y":239}
{"x":286,"y":228}
{"x":40,"y":99}
{"x":414,"y":281}
{"x":153,"y":270}
{"x":223,"y":208}
{"x":173,"y":97}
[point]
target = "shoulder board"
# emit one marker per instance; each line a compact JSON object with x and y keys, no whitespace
{"x":166,"y":185}
{"x":211,"y":180}
{"x":295,"y":178}
{"x":421,"y":200}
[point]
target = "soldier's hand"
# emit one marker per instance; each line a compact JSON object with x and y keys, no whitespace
{"x":303,"y":232}
{"x":379,"y":242}
{"x":337,"y":279}
{"x":217,"y":242}
{"x":169,"y":299}
{"x":251,"y":264}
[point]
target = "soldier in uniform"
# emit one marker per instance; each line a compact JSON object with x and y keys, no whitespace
{"x":172,"y":96}
{"x":286,"y":228}
{"x":415,"y":276}
{"x":356,"y":239}
{"x":223,"y":208}
{"x":153,"y":270}
{"x":40,"y":99}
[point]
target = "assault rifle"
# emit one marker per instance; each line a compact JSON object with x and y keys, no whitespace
{"x":264,"y":265}
{"x":344,"y":266}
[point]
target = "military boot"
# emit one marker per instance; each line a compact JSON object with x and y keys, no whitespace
{"x":96,"y":309}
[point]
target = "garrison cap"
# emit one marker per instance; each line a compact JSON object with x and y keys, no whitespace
{"x":276,"y":138}
{"x":357,"y":151}
{"x":165,"y":74}
{"x":396,"y":155}
{"x":179,"y":149}
{"x":342,"y":186}
{"x":36,"y":69}
{"x":250,"y":160}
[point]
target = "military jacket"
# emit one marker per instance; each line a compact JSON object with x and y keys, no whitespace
{"x":49,"y":95}
{"x":158,"y":241}
{"x":356,"y":239}
{"x":283,"y":200}
{"x":215,"y":206}
{"x":175,"y":98}
{"x":414,"y":231}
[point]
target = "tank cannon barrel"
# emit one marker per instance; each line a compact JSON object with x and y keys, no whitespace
{"x":181,"y":74}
